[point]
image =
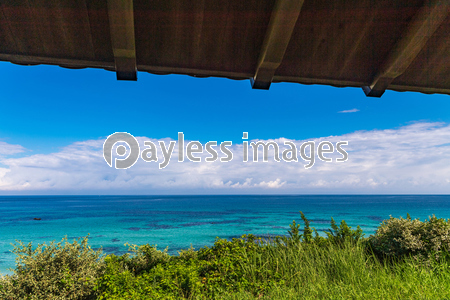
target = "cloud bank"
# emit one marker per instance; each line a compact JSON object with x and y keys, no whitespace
{"x":410,"y":159}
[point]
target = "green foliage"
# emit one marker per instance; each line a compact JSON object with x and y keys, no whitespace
{"x":234,"y":265}
{"x":399,"y":238}
{"x":57,"y":271}
{"x":306,"y":236}
{"x":307,"y":232}
{"x":302,"y":265}
{"x":144,"y":258}
{"x":173,"y":280}
{"x":338,"y":234}
{"x":148,"y":274}
{"x":294,"y":233}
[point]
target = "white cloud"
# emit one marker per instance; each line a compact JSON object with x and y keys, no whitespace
{"x":275,"y":184}
{"x":409,"y":159}
{"x":349,"y":111}
{"x":8,"y":149}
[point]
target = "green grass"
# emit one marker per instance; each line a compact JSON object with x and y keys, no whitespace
{"x":238,"y":270}
{"x":300,"y":266}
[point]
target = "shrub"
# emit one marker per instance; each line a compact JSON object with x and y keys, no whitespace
{"x":144,"y":258}
{"x":406,"y":237}
{"x":148,"y":274}
{"x":223,"y":265}
{"x":307,"y":235}
{"x":338,"y":234}
{"x":57,"y":271}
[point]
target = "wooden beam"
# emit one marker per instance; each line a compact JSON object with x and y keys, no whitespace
{"x":121,"y":24}
{"x":281,"y":25}
{"x":421,"y":28}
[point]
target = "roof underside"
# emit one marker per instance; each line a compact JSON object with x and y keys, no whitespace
{"x":378,"y":44}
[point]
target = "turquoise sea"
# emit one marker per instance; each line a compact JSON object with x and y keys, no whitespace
{"x":180,"y":221}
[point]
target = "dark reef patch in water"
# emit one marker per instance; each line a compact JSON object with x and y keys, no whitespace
{"x":176,"y":212}
{"x":132,"y":220}
{"x":238,"y":211}
{"x":320,"y":221}
{"x":159,"y":226}
{"x":235,"y":221}
{"x":375,"y":218}
{"x":134,"y":228}
{"x":115,"y":240}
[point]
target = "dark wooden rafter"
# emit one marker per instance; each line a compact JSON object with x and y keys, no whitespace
{"x":281,"y":25}
{"x":421,"y":28}
{"x":121,"y":23}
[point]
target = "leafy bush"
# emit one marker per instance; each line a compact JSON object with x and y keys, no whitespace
{"x":148,"y":274}
{"x":233,"y":265}
{"x":338,"y":234}
{"x":294,"y":232}
{"x":170,"y":281}
{"x":144,"y":258}
{"x":406,"y":237}
{"x":57,"y":271}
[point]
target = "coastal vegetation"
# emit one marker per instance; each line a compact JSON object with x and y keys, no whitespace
{"x":404,"y":259}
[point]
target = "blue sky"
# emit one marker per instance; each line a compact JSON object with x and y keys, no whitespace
{"x":45,"y":109}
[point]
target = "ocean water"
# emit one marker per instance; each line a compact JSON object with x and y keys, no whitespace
{"x":177,"y":222}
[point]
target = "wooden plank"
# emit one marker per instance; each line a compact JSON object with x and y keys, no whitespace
{"x":421,"y":28}
{"x":8,"y":40}
{"x":281,"y":25}
{"x":121,"y":24}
